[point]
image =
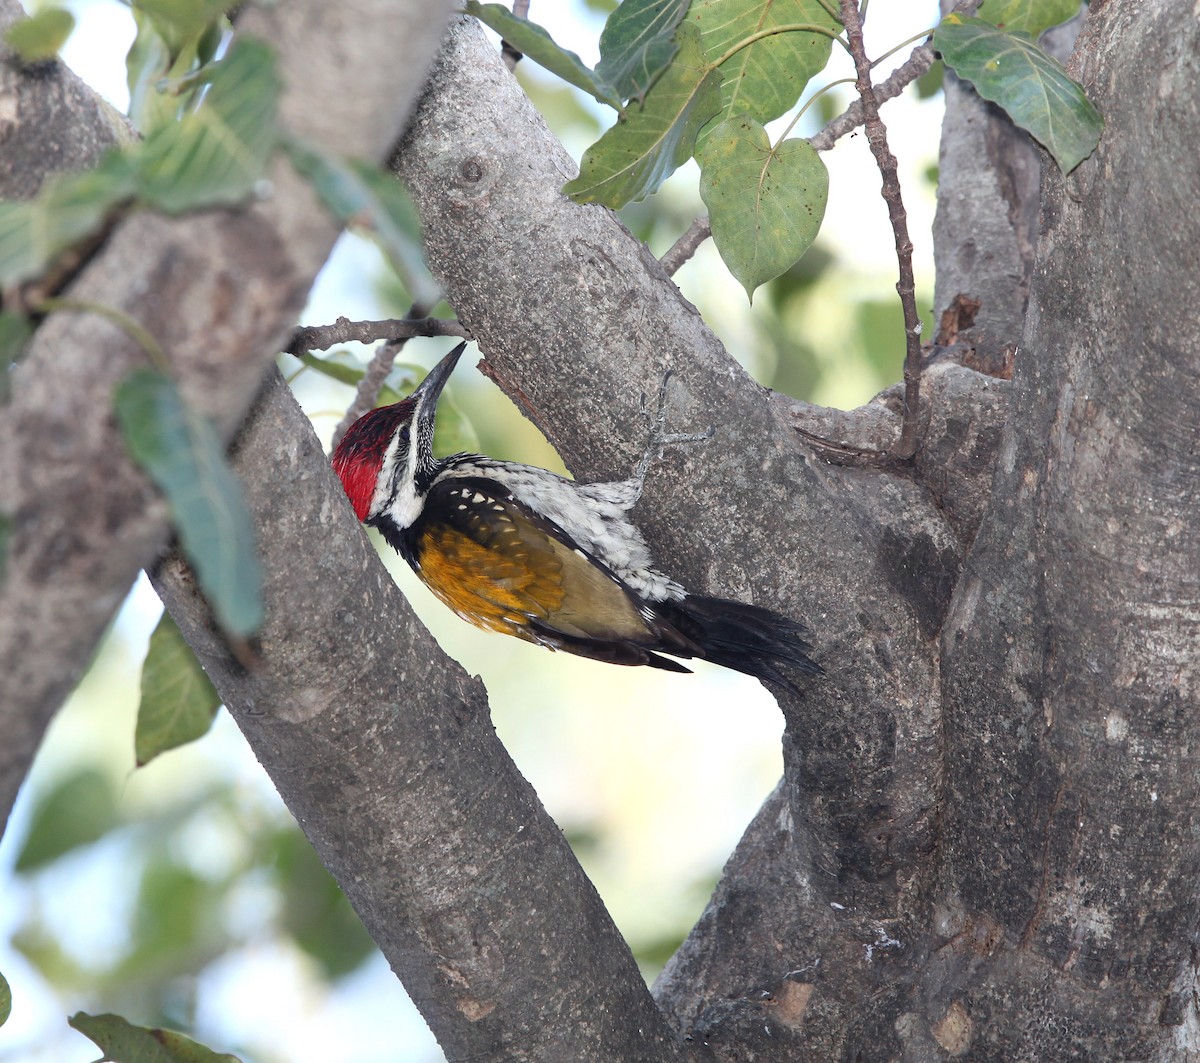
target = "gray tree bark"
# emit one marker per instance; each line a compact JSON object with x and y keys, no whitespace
{"x":983,"y":845}
{"x":219,"y":291}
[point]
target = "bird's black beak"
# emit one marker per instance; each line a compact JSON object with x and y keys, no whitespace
{"x":431,"y":387}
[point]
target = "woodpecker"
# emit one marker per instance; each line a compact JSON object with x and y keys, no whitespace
{"x":522,"y":551}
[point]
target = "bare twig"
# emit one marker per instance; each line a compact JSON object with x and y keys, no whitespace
{"x":906,"y":446}
{"x":367,"y":393}
{"x":853,"y":116}
{"x":683,"y":248}
{"x":919,"y":61}
{"x":512,"y":56}
{"x":343,"y":330}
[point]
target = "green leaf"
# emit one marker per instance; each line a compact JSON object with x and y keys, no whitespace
{"x":315,"y":912}
{"x":149,"y":63}
{"x":765,"y":204}
{"x":78,"y":810}
{"x":216,"y":154}
{"x":5,"y":1000}
{"x":181,"y":453}
{"x":764,"y":79}
{"x":40,"y":36}
{"x":178,"y":702}
{"x":146,"y":62}
{"x":346,"y":369}
{"x":360,"y":194}
{"x":15,"y":331}
{"x":122,"y":1042}
{"x":534,"y":42}
{"x":649,"y":142}
{"x":638,"y":44}
{"x":340,"y":366}
{"x":176,"y":923}
{"x":69,"y":207}
{"x":1013,"y":72}
{"x":1033,"y":17}
{"x":182,"y":23}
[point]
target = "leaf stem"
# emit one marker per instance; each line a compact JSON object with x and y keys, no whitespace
{"x":135,"y":330}
{"x":791,"y":27}
{"x":511,"y":54}
{"x":903,"y":44}
{"x":809,"y":102}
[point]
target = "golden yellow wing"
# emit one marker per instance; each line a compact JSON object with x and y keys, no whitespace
{"x":504,"y":568}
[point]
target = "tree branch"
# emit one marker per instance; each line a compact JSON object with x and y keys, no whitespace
{"x":219,"y":291}
{"x":384,"y":751}
{"x":683,"y":248}
{"x":740,"y":516}
{"x":1069,"y":651}
{"x":390,"y":330}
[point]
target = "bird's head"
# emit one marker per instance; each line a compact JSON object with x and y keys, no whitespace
{"x":385,"y":460}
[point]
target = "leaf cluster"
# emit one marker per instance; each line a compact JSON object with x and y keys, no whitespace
{"x":701,"y":80}
{"x":211,"y":130}
{"x":183,"y":903}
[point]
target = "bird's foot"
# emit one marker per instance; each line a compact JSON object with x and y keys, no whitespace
{"x":660,"y":438}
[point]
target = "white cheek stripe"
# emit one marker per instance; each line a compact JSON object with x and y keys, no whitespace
{"x":404,"y":507}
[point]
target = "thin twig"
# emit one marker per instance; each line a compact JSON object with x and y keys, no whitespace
{"x":343,"y":330}
{"x":511,"y":55}
{"x":918,"y":63}
{"x":366,"y":395}
{"x":683,"y":248}
{"x":906,"y":445}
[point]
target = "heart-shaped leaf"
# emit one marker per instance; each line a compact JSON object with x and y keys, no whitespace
{"x":765,"y":203}
{"x":765,"y":78}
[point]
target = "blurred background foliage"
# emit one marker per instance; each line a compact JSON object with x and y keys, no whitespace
{"x":182,"y":894}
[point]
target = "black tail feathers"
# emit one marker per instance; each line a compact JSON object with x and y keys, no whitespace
{"x":746,"y":638}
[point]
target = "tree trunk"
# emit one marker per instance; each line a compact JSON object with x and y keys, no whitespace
{"x":984,"y":842}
